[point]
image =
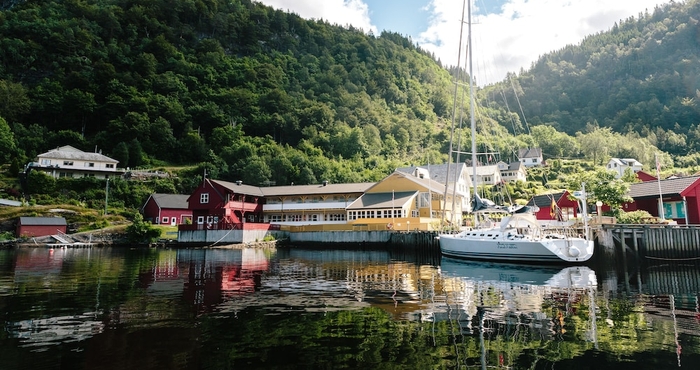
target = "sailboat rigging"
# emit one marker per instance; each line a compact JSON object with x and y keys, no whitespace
{"x":519,"y":237}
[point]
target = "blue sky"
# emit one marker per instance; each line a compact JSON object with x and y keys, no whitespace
{"x":407,"y":17}
{"x":508,"y":35}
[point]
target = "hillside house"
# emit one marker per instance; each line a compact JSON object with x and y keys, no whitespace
{"x":531,"y":157}
{"x":485,"y":175}
{"x":224,"y":205}
{"x":167,"y":209}
{"x":511,"y":172}
{"x":67,"y":161}
{"x":620,"y":165}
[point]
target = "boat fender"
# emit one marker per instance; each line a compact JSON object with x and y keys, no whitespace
{"x":574,"y":252}
{"x":389,"y":226}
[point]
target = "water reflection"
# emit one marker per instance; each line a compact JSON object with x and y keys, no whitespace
{"x":105,"y":308}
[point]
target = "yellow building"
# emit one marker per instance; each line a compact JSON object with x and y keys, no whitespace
{"x":406,"y":201}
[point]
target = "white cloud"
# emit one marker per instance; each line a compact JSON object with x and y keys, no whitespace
{"x":522,"y":31}
{"x":341,"y":12}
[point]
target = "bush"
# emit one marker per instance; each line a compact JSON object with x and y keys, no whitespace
{"x":634,"y":217}
{"x":142,"y":231}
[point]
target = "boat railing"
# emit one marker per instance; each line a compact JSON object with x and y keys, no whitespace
{"x":566,"y":231}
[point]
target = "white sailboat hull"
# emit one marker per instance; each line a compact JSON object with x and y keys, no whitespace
{"x":499,"y":248}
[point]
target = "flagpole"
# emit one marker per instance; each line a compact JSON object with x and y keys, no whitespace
{"x":658,"y":180}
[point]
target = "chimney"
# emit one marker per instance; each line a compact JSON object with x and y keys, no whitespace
{"x":325,"y":182}
{"x":239,"y":182}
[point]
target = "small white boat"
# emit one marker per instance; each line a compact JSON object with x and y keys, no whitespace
{"x":519,"y":238}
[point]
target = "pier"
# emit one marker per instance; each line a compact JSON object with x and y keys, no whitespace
{"x":660,"y":242}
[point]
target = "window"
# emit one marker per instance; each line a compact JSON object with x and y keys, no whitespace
{"x":166,"y":220}
{"x":204,"y":198}
{"x":89,"y":164}
{"x":67,"y":163}
{"x":45,"y":161}
{"x":108,"y":165}
{"x":200,"y":220}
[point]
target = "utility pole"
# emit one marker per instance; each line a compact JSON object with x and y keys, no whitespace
{"x":106,"y":195}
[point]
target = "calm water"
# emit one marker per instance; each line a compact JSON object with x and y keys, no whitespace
{"x":110,"y":308}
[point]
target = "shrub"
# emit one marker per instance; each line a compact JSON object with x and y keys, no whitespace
{"x":634,"y":217}
{"x":142,"y":231}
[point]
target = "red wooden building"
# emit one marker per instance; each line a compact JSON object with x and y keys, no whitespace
{"x":40,"y":226}
{"x":680,"y":198}
{"x":225,"y":205}
{"x":167,"y":209}
{"x":555,"y":207}
{"x":643,"y":176}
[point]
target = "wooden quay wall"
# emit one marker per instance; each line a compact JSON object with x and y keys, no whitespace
{"x":662,"y":242}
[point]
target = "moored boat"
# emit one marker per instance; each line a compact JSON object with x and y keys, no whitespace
{"x":518,"y":238}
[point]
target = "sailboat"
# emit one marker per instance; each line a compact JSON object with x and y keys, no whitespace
{"x":519,"y":237}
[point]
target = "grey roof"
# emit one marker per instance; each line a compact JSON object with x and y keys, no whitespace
{"x":529,"y":153}
{"x":484,"y":170}
{"x":11,"y":203}
{"x":382,"y":200}
{"x":545,"y":200}
{"x":429,"y":184}
{"x":668,"y":187}
{"x":514,"y":166}
{"x":317,"y":189}
{"x":240,"y":189}
{"x":171,"y":201}
{"x":68,"y":152}
{"x":438,"y":172}
{"x":42,"y":221}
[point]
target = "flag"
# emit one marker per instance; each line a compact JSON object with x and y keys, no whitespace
{"x":553,"y":209}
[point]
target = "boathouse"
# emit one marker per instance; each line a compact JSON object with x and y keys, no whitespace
{"x":40,"y":226}
{"x":219,"y":204}
{"x":555,"y":207}
{"x":679,"y":197}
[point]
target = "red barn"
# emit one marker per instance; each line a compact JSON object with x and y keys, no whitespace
{"x":555,"y":207}
{"x":167,"y":209}
{"x":40,"y":226}
{"x":223,"y":205}
{"x":680,"y":198}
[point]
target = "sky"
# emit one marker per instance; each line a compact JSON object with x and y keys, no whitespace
{"x":507,"y":35}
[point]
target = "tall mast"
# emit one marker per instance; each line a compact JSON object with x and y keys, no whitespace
{"x":471,"y":96}
{"x":454,"y":115}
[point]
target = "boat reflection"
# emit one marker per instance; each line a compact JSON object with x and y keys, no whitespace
{"x":493,"y":294}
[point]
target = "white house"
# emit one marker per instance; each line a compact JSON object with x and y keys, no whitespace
{"x":67,"y":161}
{"x":530,"y":157}
{"x":511,"y":172}
{"x":620,"y":165}
{"x":485,"y":175}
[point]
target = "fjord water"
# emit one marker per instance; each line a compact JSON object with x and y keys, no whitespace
{"x":297,"y":308}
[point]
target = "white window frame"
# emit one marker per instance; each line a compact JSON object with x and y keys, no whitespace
{"x":204,"y":198}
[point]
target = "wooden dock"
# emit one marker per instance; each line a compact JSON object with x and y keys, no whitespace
{"x":660,"y":242}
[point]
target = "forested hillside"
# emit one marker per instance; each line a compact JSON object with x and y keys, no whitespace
{"x":641,"y":80}
{"x":259,"y":95}
{"x":266,"y":97}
